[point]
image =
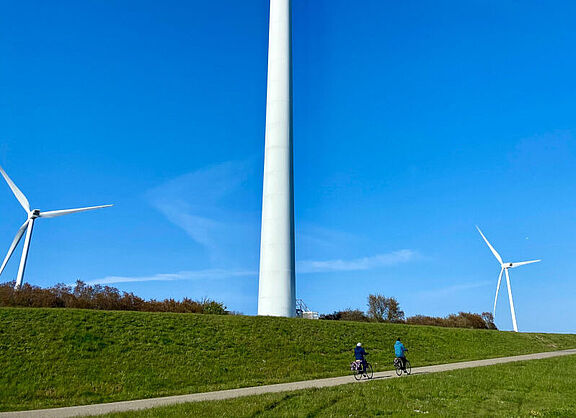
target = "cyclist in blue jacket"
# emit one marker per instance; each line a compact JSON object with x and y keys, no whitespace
{"x":360,"y":354}
{"x":400,"y":352}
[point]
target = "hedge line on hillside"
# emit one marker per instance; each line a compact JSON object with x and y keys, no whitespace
{"x":84,"y":296}
{"x":460,"y":320}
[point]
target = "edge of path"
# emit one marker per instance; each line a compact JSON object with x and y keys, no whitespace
{"x":105,"y":408}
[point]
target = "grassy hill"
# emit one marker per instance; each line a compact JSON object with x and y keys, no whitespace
{"x":58,"y":357}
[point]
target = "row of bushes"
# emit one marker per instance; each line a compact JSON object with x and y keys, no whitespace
{"x":85,"y":296}
{"x":460,"y":320}
{"x":387,"y":309}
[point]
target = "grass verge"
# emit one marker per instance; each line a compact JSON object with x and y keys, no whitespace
{"x":63,"y":357}
{"x":530,"y":388}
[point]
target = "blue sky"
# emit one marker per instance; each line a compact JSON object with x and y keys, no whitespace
{"x":413,"y":122}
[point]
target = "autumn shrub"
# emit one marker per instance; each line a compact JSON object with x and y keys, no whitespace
{"x":85,"y":296}
{"x":460,"y":320}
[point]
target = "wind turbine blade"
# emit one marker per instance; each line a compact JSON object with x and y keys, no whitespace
{"x":54,"y":213}
{"x":491,"y":247}
{"x":17,"y":239}
{"x":512,"y":265}
{"x":17,"y":192}
{"x":511,"y":302}
{"x":24,"y":254}
{"x":497,"y":289}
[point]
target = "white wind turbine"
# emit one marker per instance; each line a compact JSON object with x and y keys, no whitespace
{"x":29,"y":224}
{"x":504,"y":268}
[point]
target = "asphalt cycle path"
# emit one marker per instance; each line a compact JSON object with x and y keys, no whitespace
{"x":105,"y":408}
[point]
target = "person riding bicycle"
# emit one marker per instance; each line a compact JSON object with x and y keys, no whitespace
{"x":400,"y":351}
{"x":360,"y":354}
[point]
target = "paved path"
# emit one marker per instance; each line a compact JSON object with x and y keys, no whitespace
{"x":105,"y":408}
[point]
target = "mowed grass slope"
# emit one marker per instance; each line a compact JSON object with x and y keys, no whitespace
{"x":59,"y":357}
{"x":531,"y":388}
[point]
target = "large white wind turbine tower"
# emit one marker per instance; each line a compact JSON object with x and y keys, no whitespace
{"x":277,"y":282}
{"x":504,"y":269}
{"x":27,"y":227}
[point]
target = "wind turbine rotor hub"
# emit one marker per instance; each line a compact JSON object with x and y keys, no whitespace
{"x":504,"y":269}
{"x":26,"y":228}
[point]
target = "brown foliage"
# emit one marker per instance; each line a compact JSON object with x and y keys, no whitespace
{"x":353,"y":315}
{"x":462,"y":320}
{"x":383,"y":309}
{"x":99,"y":297}
{"x":346,"y":315}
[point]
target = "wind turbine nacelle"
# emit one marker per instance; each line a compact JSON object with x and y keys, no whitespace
{"x":27,"y":226}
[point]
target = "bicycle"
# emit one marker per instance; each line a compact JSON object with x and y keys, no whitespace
{"x":356,"y":367}
{"x":398,"y":366}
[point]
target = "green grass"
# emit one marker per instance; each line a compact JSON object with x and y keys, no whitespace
{"x":530,"y":388}
{"x":60,"y":357}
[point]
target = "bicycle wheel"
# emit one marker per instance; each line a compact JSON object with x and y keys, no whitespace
{"x":357,"y":374}
{"x":398,"y":368}
{"x":408,"y":367}
{"x":369,"y":371}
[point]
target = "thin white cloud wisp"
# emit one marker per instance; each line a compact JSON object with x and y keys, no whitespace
{"x":182,"y":275}
{"x":210,"y":205}
{"x":364,"y":263}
